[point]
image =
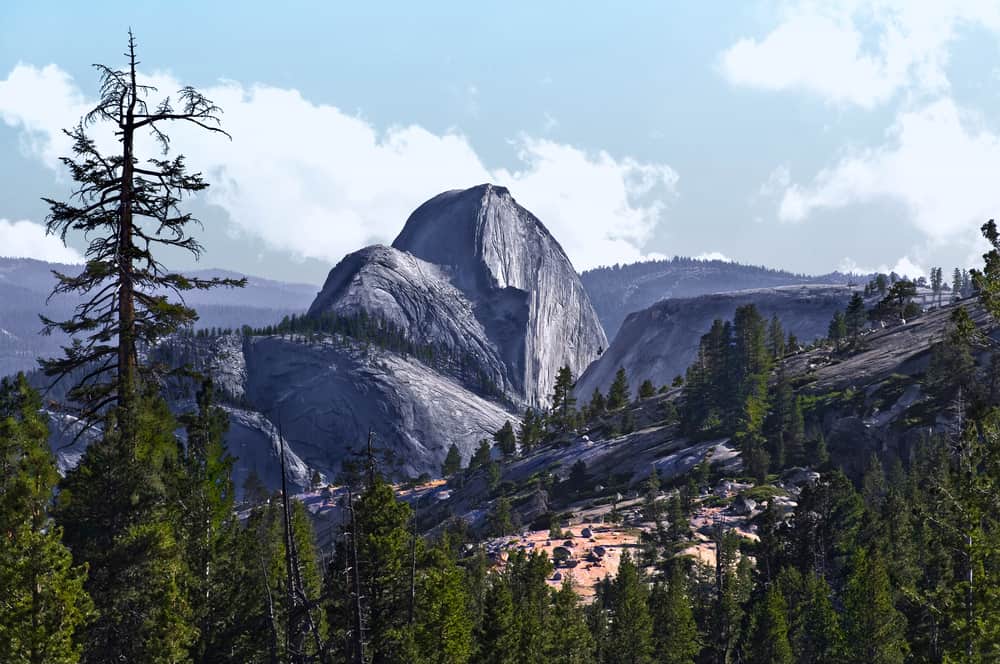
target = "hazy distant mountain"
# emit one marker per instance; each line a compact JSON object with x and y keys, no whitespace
{"x":619,"y":290}
{"x":25,"y":285}
{"x":661,"y":341}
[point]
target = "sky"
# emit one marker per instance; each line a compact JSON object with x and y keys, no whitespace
{"x":809,"y":136}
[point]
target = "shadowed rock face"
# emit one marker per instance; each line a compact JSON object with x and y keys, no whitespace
{"x":476,"y":272}
{"x":661,"y":342}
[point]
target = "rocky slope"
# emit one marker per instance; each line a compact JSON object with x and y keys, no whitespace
{"x":622,"y":289}
{"x":476,"y":271}
{"x":660,"y":342}
{"x":870,"y":398}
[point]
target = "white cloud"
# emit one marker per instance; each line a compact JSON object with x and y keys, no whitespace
{"x":939,"y":162}
{"x":904,"y":267}
{"x":856,"y":52}
{"x":24,"y":239}
{"x":713,"y":256}
{"x":317,"y":182}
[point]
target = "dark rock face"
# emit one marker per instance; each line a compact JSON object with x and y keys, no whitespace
{"x":475,"y":271}
{"x":660,"y":342}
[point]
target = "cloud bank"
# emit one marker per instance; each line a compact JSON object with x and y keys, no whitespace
{"x":937,"y":160}
{"x":317,"y":182}
{"x":857,"y":52}
{"x":24,"y":239}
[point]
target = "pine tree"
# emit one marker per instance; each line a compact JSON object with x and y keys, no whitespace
{"x":383,"y":542}
{"x":769,"y":631}
{"x":44,"y":603}
{"x":505,"y":440}
{"x":597,"y":406}
{"x":452,"y":461}
{"x":208,"y":524}
{"x":530,"y":432}
{"x":498,"y":634}
{"x":776,"y":338}
{"x":855,"y":318}
{"x":117,"y":509}
{"x":443,"y":633}
{"x":571,"y":641}
{"x":563,"y":402}
{"x":618,"y":395}
{"x":675,"y":632}
{"x":822,"y":639}
{"x":500,"y":519}
{"x":126,"y":208}
{"x":630,"y":637}
{"x":254,"y":490}
{"x":874,"y":629}
{"x":837,"y":330}
{"x":482,"y":457}
{"x":647,"y":389}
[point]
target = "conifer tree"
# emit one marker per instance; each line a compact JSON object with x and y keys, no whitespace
{"x":837,"y":330}
{"x":207,"y":523}
{"x":127,"y":208}
{"x":618,"y":394}
{"x":117,"y":509}
{"x":44,"y":603}
{"x":570,"y":639}
{"x":647,"y":389}
{"x":452,"y":461}
{"x":630,"y":636}
{"x":821,"y":639}
{"x":383,"y":542}
{"x":675,"y":632}
{"x":498,"y":634}
{"x":597,"y":405}
{"x":563,"y":402}
{"x":530,"y":432}
{"x":443,"y":632}
{"x":505,"y":440}
{"x":769,"y":631}
{"x":855,"y":316}
{"x":776,"y":338}
{"x":874,"y":629}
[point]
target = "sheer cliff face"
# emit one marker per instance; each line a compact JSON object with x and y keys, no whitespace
{"x":660,"y":342}
{"x":522,"y":288}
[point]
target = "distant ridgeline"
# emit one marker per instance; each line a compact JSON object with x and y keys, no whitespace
{"x":618,"y":290}
{"x":366,"y":329}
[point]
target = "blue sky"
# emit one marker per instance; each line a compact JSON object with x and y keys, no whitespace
{"x":808,"y":136}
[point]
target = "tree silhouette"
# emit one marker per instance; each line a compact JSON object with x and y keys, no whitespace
{"x":128,"y":209}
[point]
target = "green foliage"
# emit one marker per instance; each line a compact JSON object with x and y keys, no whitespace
{"x":118,"y":512}
{"x":44,"y":603}
{"x":563,"y":413}
{"x":647,"y":389}
{"x":505,"y":440}
{"x":769,"y":631}
{"x":874,"y":629}
{"x":531,"y":431}
{"x":618,"y":394}
{"x":452,"y":461}
{"x":675,"y":632}
{"x":630,"y":634}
